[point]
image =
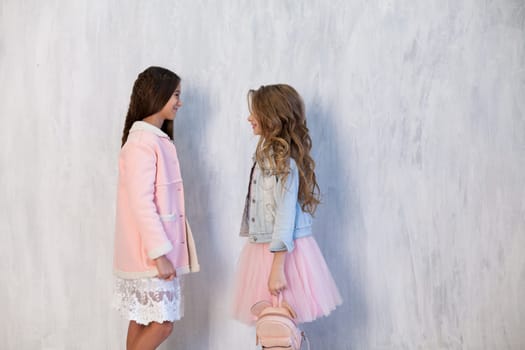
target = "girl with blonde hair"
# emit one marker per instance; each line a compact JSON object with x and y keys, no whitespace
{"x":281,"y":254}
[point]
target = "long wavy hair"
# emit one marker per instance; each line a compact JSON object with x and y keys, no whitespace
{"x":151,"y":91}
{"x":279,"y":111}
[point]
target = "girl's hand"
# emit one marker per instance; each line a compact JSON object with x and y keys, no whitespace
{"x":165,"y":268}
{"x":277,"y":280}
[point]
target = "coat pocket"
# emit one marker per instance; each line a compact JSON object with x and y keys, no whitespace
{"x":168,"y":217}
{"x":169,"y":199}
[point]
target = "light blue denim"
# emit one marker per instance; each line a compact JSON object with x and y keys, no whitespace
{"x":272,"y":212}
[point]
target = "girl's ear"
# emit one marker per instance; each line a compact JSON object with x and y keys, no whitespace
{"x":258,"y":307}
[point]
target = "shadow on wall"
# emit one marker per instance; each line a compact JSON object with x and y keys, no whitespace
{"x":190,"y":136}
{"x":338,"y":229}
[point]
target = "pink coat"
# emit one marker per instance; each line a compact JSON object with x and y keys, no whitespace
{"x":150,"y":219}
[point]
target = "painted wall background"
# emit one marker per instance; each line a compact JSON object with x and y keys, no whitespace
{"x":417,"y":113}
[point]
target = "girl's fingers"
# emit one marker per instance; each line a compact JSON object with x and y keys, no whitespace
{"x":165,"y":276}
{"x":276,"y":291}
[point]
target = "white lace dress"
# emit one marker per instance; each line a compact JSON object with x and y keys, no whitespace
{"x":148,"y":299}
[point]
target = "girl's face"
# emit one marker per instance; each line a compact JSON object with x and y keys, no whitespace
{"x":256,"y":127}
{"x":169,"y":111}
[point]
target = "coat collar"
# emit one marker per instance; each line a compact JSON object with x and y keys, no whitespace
{"x":144,"y":126}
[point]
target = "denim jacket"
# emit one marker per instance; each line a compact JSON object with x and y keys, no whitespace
{"x":272,"y":212}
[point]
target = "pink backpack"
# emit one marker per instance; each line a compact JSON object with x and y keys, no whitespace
{"x":275,"y":326}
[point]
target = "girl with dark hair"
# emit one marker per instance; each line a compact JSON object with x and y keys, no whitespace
{"x":151,"y":244}
{"x":281,"y":255}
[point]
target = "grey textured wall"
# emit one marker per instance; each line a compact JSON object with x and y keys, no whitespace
{"x":417,"y":112}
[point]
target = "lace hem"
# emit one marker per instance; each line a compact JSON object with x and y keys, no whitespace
{"x":148,"y":300}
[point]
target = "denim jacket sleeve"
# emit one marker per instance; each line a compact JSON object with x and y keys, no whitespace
{"x":286,"y":195}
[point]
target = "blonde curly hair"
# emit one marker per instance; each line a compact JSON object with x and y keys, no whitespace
{"x":279,"y":110}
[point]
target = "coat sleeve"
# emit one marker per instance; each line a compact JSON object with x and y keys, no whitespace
{"x":286,"y":194}
{"x":139,"y":162}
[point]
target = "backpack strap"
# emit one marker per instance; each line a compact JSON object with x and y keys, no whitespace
{"x":280,"y":302}
{"x":277,"y":301}
{"x":305,"y":340}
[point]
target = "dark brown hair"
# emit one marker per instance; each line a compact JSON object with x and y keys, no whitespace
{"x":151,"y":91}
{"x":279,"y":110}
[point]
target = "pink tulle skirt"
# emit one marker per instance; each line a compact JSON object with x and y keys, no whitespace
{"x":311,"y":290}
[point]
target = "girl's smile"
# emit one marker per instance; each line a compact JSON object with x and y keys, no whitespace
{"x":173,"y":105}
{"x":255,"y":125}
